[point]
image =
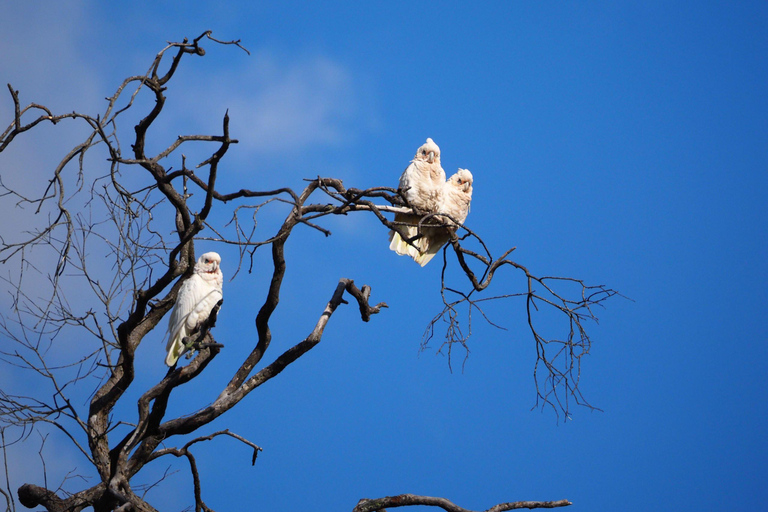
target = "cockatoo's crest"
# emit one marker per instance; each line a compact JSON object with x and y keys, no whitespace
{"x":429,"y":152}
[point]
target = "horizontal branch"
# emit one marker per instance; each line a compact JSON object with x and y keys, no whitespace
{"x":409,"y":500}
{"x":179,"y":452}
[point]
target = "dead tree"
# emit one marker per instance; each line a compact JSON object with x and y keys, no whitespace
{"x":124,"y":233}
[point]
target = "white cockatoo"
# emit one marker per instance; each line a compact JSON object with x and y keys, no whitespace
{"x":422,"y":185}
{"x":194,"y":302}
{"x":457,"y":195}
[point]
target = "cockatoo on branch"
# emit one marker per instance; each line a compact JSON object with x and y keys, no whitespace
{"x":422,"y":186}
{"x":194,"y":302}
{"x":457,"y":195}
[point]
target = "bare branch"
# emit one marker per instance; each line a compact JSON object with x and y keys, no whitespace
{"x":108,"y":251}
{"x":409,"y":500}
{"x":185,"y":452}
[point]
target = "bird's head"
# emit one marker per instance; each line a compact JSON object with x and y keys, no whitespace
{"x":462,"y":180}
{"x":208,"y":263}
{"x":429,"y":152}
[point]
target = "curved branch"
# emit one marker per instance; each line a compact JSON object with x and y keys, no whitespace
{"x":31,"y":496}
{"x":229,"y":399}
{"x":154,"y":435}
{"x":185,"y":452}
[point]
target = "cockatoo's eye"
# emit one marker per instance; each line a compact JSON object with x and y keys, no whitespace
{"x":460,"y":182}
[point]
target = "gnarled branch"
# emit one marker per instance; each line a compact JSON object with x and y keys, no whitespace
{"x":146,"y":223}
{"x":409,"y":500}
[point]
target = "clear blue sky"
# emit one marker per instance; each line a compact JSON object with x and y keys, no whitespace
{"x":625,"y":143}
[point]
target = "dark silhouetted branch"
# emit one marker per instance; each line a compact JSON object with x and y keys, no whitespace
{"x":109,"y":252}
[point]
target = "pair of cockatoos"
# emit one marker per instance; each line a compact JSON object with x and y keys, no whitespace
{"x":196,"y":298}
{"x":424,"y":187}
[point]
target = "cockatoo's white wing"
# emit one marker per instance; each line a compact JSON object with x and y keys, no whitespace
{"x":194,"y":302}
{"x":422,"y":185}
{"x":410,"y":229}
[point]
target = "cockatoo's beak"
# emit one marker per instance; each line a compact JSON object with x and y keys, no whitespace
{"x":431,"y":157}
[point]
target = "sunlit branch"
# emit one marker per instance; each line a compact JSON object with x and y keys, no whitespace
{"x":409,"y":500}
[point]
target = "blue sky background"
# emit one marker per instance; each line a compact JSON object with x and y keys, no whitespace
{"x":625,"y":143}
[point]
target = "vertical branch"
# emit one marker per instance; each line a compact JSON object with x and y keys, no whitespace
{"x":10,"y":504}
{"x":273,"y":293}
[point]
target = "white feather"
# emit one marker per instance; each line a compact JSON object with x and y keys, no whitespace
{"x":422,"y":185}
{"x":194,"y":302}
{"x":456,"y":198}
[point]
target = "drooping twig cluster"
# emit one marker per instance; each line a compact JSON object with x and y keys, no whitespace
{"x":108,"y":233}
{"x":559,"y":382}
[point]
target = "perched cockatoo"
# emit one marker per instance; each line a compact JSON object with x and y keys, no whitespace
{"x":194,"y":302}
{"x":422,"y":185}
{"x":457,"y":195}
